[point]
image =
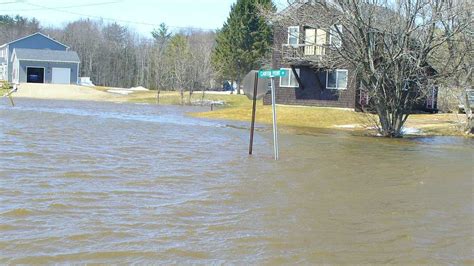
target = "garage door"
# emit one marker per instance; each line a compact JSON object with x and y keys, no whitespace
{"x":61,"y":76}
{"x":33,"y":75}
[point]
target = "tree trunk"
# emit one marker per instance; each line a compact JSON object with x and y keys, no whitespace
{"x":391,"y":123}
{"x":238,"y":85}
{"x":158,"y":91}
{"x":202,"y":97}
{"x":469,"y":114}
{"x":470,"y":123}
{"x":190,"y":96}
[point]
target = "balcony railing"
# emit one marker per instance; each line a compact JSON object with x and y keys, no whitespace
{"x":301,"y":52}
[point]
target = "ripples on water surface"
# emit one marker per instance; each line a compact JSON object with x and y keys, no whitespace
{"x":115,"y":183}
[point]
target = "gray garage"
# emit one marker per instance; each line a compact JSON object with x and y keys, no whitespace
{"x":45,"y":66}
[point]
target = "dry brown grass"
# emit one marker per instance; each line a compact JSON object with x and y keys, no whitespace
{"x":314,"y":117}
{"x":239,"y":108}
{"x":438,"y":124}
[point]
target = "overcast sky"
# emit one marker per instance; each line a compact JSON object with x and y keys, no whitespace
{"x":142,"y":15}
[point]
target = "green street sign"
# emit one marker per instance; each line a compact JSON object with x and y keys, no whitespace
{"x":272,"y":73}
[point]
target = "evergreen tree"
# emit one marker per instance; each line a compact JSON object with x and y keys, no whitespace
{"x":162,"y":34}
{"x":244,"y":40}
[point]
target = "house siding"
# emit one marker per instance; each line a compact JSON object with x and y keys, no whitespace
{"x":48,"y":66}
{"x":4,"y":55}
{"x":4,"y":63}
{"x":15,"y":71}
{"x":313,"y":91}
{"x":36,"y":41}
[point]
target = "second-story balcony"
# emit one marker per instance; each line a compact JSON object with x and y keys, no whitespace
{"x":302,"y":52}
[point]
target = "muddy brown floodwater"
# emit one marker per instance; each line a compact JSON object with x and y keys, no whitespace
{"x":84,"y":182}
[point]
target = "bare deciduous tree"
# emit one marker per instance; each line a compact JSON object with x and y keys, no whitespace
{"x":391,"y":45}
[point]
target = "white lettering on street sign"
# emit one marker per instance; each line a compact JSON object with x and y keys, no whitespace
{"x":272,"y":73}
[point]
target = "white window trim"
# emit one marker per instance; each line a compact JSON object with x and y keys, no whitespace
{"x":337,"y":70}
{"x":290,"y":72}
{"x":297,"y":37}
{"x":331,"y":36}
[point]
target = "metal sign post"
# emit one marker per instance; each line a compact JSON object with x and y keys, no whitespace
{"x":272,"y":74}
{"x":275,"y":127}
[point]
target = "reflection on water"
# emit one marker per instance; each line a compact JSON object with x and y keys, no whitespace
{"x":118,"y":183}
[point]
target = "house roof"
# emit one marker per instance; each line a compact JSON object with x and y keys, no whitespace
{"x":46,"y":55}
{"x":37,"y":33}
{"x":298,"y":4}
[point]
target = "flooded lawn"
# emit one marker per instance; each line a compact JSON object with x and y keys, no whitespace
{"x":84,"y":182}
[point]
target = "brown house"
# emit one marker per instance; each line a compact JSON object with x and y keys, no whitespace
{"x":313,"y":80}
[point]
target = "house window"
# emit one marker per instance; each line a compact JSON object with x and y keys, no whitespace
{"x":335,"y":36}
{"x":289,"y":81}
{"x":336,"y":79}
{"x":293,"y":35}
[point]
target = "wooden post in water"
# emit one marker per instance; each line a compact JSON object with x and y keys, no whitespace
{"x":11,"y":100}
{"x":254,"y":110}
{"x":9,"y":94}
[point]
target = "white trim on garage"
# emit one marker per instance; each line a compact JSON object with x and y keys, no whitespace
{"x":37,"y":33}
{"x":52,"y":61}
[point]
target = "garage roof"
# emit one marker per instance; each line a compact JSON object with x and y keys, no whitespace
{"x":46,"y":55}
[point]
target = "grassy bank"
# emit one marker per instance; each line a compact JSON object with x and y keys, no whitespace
{"x":239,"y":108}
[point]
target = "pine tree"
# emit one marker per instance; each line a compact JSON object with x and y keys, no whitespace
{"x":162,"y":34}
{"x":244,"y":40}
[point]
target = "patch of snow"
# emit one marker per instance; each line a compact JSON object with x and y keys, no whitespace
{"x":139,"y":88}
{"x":411,"y":131}
{"x":86,"y":81}
{"x":348,"y":126}
{"x":216,"y":92}
{"x":122,"y":92}
{"x":208,"y":102}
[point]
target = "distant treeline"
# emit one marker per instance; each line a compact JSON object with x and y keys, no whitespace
{"x":116,"y":56}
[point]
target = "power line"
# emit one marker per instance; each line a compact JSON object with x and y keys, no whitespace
{"x":112,"y":19}
{"x":61,"y":7}
{"x":8,"y":3}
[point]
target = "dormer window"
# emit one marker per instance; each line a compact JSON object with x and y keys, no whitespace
{"x":294,"y":35}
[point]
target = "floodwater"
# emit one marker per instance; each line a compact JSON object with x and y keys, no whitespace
{"x":84,"y":182}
